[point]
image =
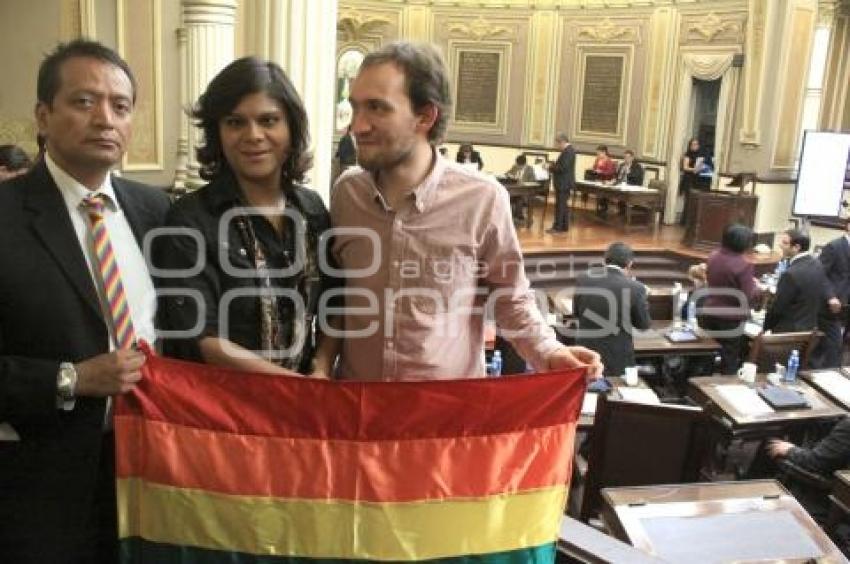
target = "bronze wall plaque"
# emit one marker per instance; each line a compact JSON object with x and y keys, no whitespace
{"x":478,"y":87}
{"x":600,"y":106}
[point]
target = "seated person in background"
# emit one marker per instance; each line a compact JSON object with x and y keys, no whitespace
{"x":603,"y":167}
{"x":609,"y":304}
{"x":803,"y":290}
{"x":629,"y":171}
{"x":521,"y":171}
{"x":603,"y":170}
{"x":466,"y":154}
{"x":541,"y":172}
{"x":828,"y":455}
{"x":13,"y":161}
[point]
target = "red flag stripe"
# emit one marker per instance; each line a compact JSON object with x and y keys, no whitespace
{"x":250,"y":403}
{"x":319,"y":469}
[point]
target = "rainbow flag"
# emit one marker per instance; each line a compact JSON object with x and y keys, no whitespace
{"x":215,"y":465}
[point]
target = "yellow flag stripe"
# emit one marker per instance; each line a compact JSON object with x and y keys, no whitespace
{"x":338,"y":529}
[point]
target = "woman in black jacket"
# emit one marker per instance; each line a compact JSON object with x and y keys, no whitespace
{"x":247,"y":259}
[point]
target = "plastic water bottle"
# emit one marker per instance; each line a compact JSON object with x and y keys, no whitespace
{"x":793,"y":365}
{"x":677,"y":302}
{"x":496,"y":364}
{"x":692,"y":314}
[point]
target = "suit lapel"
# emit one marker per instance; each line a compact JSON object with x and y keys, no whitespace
{"x":51,"y":224}
{"x":132,"y":209}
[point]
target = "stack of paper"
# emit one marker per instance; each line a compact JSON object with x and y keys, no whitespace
{"x":588,"y":406}
{"x":744,"y":399}
{"x":638,"y":395}
{"x":835,"y":384}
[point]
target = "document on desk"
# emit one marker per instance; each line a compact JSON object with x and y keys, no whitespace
{"x":744,"y":399}
{"x":8,"y":433}
{"x":834,"y":383}
{"x":638,"y":395}
{"x":731,"y":537}
{"x":588,"y":405}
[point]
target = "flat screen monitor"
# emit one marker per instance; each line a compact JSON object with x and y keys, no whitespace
{"x":824,"y":165}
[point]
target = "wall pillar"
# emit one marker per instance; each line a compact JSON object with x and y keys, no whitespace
{"x":209,"y":47}
{"x":300,"y":36}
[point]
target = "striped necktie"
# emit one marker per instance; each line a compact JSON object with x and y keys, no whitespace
{"x":110,"y":276}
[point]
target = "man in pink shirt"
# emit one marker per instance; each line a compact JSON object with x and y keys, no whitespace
{"x":425,"y":245}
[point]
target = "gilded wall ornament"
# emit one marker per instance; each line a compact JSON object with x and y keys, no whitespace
{"x":354,"y":25}
{"x":710,"y":26}
{"x":607,"y":30}
{"x":479,"y":29}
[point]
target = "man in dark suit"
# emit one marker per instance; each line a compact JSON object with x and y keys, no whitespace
{"x":609,"y":304}
{"x":564,"y":179}
{"x":59,"y":321}
{"x":803,"y":290}
{"x":835,"y":258}
{"x":629,"y":171}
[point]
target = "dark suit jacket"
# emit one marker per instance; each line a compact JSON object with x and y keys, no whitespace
{"x":596,"y":293}
{"x":634,"y":175}
{"x":835,"y":258}
{"x":830,"y":454}
{"x":49,"y":313}
{"x":801,"y":296}
{"x":564,"y":170}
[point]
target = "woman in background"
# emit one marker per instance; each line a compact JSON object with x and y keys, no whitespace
{"x":466,"y":154}
{"x":728,"y":271}
{"x":692,"y":162}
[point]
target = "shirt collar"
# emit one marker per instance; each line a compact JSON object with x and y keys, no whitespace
{"x":73,"y":192}
{"x":799,"y":255}
{"x":423,"y":194}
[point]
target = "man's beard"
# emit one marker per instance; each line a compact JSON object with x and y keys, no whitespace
{"x":385,"y":161}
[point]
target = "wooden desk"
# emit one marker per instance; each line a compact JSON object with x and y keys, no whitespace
{"x":585,"y":544}
{"x":838,"y":394}
{"x":586,"y":420}
{"x":704,"y":391}
{"x":711,"y":212}
{"x":717,"y":522}
{"x":629,"y":195}
{"x":527,"y":191}
{"x":652,"y":342}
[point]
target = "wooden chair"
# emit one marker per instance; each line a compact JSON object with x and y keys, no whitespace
{"x":634,"y":444}
{"x":767,"y":350}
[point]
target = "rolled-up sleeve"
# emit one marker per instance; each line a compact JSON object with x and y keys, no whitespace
{"x":514,"y":304}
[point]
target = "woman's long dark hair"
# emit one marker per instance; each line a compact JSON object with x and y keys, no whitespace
{"x":242,"y":77}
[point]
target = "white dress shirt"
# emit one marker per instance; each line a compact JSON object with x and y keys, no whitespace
{"x":141,"y":296}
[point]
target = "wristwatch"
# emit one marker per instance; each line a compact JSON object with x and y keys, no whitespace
{"x":66,"y":381}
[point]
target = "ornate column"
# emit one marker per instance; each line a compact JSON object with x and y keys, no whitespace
{"x":300,"y":35}
{"x":207,"y":41}
{"x":834,"y":103}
